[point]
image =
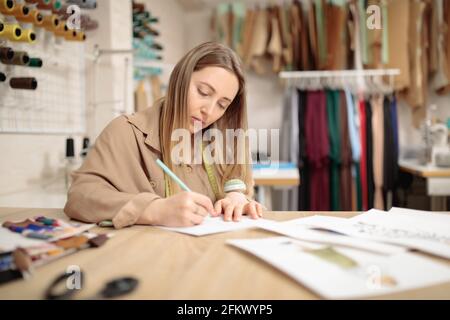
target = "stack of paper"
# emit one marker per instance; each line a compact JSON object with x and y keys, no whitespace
{"x":359,"y":257}
{"x":337,"y":272}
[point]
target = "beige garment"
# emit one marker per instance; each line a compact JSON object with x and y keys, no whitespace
{"x":140,"y":97}
{"x":415,"y":94}
{"x":398,"y":24}
{"x":275,"y":45}
{"x":445,"y":30}
{"x":260,"y":35}
{"x":155,"y":83}
{"x":119,"y":178}
{"x":441,"y":79}
{"x":374,"y":43}
{"x":434,"y":34}
{"x":312,"y":30}
{"x":248,"y":33}
{"x":378,"y":149}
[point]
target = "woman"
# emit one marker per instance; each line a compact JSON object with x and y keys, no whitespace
{"x":120,"y":179}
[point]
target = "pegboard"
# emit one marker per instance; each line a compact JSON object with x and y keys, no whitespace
{"x":58,"y":105}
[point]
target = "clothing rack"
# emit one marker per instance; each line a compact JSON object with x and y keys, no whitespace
{"x":367,"y":80}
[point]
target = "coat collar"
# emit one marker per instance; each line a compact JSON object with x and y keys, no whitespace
{"x":147,"y":121}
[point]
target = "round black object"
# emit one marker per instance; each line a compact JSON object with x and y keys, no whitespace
{"x":119,"y":287}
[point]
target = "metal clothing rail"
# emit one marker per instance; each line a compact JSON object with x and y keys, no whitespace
{"x":368,"y":80}
{"x":338,"y":73}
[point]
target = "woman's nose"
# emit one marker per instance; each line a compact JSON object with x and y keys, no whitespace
{"x":207,"y":108}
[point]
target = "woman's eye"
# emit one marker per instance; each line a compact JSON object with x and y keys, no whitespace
{"x":222,"y":106}
{"x":204,"y":94}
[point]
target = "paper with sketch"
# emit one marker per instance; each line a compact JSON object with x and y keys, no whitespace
{"x":213,"y":225}
{"x":339,"y":273}
{"x":298,"y":229}
{"x":415,"y":231}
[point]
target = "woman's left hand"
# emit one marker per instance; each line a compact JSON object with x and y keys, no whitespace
{"x":235,"y":204}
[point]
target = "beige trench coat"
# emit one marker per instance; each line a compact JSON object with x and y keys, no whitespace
{"x":119,"y":178}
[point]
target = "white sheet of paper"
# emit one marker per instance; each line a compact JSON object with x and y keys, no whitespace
{"x":415,"y":231}
{"x":334,"y":282}
{"x":213,"y":225}
{"x":298,"y":229}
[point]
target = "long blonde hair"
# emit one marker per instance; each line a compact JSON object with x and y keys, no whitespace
{"x":174,"y":111}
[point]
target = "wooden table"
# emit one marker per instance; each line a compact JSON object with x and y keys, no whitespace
{"x":176,"y":266}
{"x":267,"y":178}
{"x":438,"y":181}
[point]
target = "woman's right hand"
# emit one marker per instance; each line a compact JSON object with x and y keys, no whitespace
{"x":183,"y":209}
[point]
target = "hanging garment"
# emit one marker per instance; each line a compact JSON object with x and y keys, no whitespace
{"x":369,"y":156}
{"x":337,"y":45}
{"x":238,"y":11}
{"x":378,"y":149}
{"x":295,"y":12}
{"x":259,"y":42}
{"x":317,"y":148}
{"x":445,"y":29}
{"x":354,"y":25}
{"x":346,"y":157}
{"x":434,"y":34}
{"x":305,"y":50}
{"x":441,"y":79}
{"x":320,"y":11}
{"x":374,"y":42}
{"x":140,"y":97}
{"x":275,"y":45}
{"x":248,"y":33}
{"x":289,"y":148}
{"x":312,"y":33}
{"x":303,"y":189}
{"x":287,"y":36}
{"x":415,"y":94}
{"x":363,"y":162}
{"x":355,"y":142}
{"x":361,"y":7}
{"x":333,"y":101}
{"x":390,"y":167}
{"x":398,"y":37}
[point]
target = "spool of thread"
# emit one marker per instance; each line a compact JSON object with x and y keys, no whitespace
{"x":27,"y":36}
{"x":35,"y":63}
{"x":23,"y":83}
{"x":2,"y":77}
{"x":85,"y":149}
{"x":61,"y":29}
{"x":20,"y":58}
{"x":10,"y":31}
{"x":141,"y":15}
{"x":70,"y":148}
{"x":73,"y":35}
{"x":89,"y":25}
{"x":6,"y":53}
{"x":44,"y":4}
{"x":33,"y":16}
{"x":50,"y":22}
{"x":6,"y":6}
{"x":84,"y":4}
{"x":57,"y":6}
{"x":138,"y":7}
{"x":20,"y":10}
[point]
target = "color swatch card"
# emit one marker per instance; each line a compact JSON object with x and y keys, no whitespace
{"x":335,"y":272}
{"x":213,"y":225}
